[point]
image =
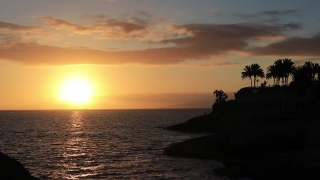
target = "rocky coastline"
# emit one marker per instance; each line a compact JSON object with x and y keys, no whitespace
{"x":13,"y":169}
{"x":256,"y":140}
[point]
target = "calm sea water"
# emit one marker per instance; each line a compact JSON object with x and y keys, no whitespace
{"x":100,"y":144}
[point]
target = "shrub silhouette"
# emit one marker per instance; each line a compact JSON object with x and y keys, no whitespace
{"x":220,"y":96}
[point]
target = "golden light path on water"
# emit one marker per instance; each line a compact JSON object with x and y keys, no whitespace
{"x":78,"y":150}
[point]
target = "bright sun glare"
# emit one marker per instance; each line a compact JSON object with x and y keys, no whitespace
{"x":76,"y":91}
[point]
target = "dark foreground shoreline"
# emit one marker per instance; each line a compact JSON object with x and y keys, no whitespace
{"x":255,"y":141}
{"x":13,"y":169}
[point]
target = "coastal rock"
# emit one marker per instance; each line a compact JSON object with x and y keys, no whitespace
{"x":269,"y":151}
{"x":262,"y":134}
{"x":293,"y":165}
{"x":13,"y":169}
{"x":200,"y":124}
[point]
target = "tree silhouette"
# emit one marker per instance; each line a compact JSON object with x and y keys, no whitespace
{"x":288,"y":69}
{"x":257,"y":71}
{"x":220,"y":96}
{"x":281,"y":69}
{"x":308,"y":70}
{"x":302,"y":79}
{"x":264,"y":84}
{"x":279,"y":66}
{"x":272,"y":73}
{"x":247,"y":73}
{"x":317,"y":70}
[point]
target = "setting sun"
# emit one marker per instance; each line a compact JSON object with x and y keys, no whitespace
{"x":76,"y":91}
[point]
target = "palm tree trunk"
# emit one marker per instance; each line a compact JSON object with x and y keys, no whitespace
{"x":274,"y":81}
{"x":251,"y":81}
{"x":286,"y":80}
{"x":313,"y":76}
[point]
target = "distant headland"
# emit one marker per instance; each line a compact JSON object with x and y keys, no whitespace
{"x":267,"y":131}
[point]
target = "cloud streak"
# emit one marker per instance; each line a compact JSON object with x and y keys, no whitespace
{"x":295,"y":46}
{"x":186,"y":42}
{"x":33,"y":53}
{"x":62,"y":24}
{"x":209,"y":39}
{"x":15,"y":27}
{"x":107,"y":28}
{"x":178,"y":44}
{"x":272,"y":16}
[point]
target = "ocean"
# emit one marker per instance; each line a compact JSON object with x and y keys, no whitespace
{"x":100,"y":144}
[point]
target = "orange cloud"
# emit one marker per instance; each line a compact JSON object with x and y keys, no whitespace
{"x":15,"y":27}
{"x":10,"y":33}
{"x":196,"y":42}
{"x":33,"y":53}
{"x":182,"y":43}
{"x":107,"y":28}
{"x":59,"y":23}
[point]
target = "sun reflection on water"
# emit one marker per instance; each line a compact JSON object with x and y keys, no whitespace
{"x":74,"y":146}
{"x":78,"y":150}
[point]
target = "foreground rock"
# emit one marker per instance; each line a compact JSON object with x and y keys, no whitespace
{"x":13,"y":169}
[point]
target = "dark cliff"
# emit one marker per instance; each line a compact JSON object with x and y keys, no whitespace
{"x":13,"y":169}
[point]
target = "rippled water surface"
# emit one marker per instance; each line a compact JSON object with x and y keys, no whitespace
{"x":100,"y":144}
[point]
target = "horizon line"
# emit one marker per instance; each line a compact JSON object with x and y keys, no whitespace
{"x":103,"y":109}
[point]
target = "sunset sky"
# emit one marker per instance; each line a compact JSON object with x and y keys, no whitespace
{"x":145,"y":53}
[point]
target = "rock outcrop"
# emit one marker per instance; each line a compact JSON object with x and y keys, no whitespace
{"x":13,"y":169}
{"x":255,"y":140}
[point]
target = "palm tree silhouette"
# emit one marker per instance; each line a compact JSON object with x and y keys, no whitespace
{"x":257,"y":71}
{"x":288,"y":69}
{"x":272,"y":73}
{"x":308,"y":69}
{"x":302,"y":79}
{"x":247,"y":73}
{"x":282,"y":69}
